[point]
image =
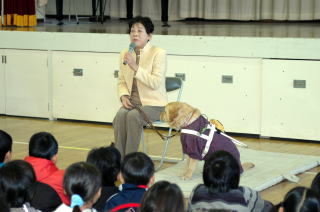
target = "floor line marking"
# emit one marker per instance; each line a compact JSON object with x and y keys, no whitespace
{"x":62,"y":147}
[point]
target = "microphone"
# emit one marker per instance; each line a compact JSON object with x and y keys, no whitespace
{"x":131,"y":49}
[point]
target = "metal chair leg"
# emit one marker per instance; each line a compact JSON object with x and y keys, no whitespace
{"x":163,"y":157}
{"x":164,"y":154}
{"x":144,"y":146}
{"x":75,"y":10}
{"x":69,"y":16}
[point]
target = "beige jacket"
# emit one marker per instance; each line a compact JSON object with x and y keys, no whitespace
{"x":150,"y":76}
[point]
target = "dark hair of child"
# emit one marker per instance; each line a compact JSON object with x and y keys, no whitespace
{"x":43,"y":145}
{"x":5,"y":144}
{"x":137,"y":168}
{"x":82,"y":179}
{"x":163,"y":196}
{"x":221,"y":172}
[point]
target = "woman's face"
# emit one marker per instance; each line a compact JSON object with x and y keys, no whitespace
{"x":139,"y":35}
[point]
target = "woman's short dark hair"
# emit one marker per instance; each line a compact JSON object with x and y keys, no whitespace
{"x":145,"y":21}
{"x":5,"y":144}
{"x":83,"y":179}
{"x":107,"y":160}
{"x":43,"y":145}
{"x":221,"y":172}
{"x":301,"y":199}
{"x":137,"y":168}
{"x":17,"y":182}
{"x":163,"y":197}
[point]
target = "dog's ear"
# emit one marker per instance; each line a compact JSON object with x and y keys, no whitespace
{"x":177,"y":115}
{"x":171,"y":113}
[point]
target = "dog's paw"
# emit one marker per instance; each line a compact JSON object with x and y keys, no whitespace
{"x":246,"y":166}
{"x":187,"y":175}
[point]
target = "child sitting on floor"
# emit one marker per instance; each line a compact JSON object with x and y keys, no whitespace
{"x":5,"y":147}
{"x":299,"y":199}
{"x":43,"y":155}
{"x":17,"y":184}
{"x":163,"y":196}
{"x":221,"y":190}
{"x":136,"y":173}
{"x":82,"y":183}
{"x":107,"y":160}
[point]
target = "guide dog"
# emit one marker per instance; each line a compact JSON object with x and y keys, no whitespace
{"x":199,"y":137}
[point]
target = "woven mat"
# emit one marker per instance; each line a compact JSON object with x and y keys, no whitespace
{"x":270,"y":169}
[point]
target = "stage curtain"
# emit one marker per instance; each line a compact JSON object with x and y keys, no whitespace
{"x":245,"y":10}
{"x":1,"y":13}
{"x":19,"y":13}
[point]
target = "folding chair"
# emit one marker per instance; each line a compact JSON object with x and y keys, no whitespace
{"x":41,"y":10}
{"x":73,"y":4}
{"x":173,"y":84}
{"x":100,"y":3}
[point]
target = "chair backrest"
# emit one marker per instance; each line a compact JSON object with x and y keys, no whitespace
{"x":174,"y":83}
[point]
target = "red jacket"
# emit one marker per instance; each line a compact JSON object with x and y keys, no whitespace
{"x":47,"y":172}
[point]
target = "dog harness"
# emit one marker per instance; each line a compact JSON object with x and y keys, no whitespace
{"x":208,"y":138}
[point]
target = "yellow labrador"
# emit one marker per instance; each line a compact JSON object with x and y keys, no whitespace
{"x":199,"y":137}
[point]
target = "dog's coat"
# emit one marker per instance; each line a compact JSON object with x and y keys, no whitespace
{"x":193,"y":145}
{"x":198,"y":141}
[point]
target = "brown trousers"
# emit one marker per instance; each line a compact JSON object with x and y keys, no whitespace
{"x":128,"y":126}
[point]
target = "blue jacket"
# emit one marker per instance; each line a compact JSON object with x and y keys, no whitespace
{"x":130,"y":196}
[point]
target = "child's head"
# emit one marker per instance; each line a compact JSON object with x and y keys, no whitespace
{"x":300,"y":199}
{"x":163,"y":197}
{"x":107,"y":160}
{"x":82,"y":181}
{"x":221,"y":172}
{"x":5,"y":146}
{"x":315,"y":185}
{"x":137,"y":168}
{"x":17,"y":181}
{"x":43,"y":145}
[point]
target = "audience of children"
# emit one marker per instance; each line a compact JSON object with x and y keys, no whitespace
{"x":107,"y":160}
{"x":82,"y":183}
{"x":163,"y":196}
{"x":136,"y":173}
{"x":43,"y":154}
{"x":221,"y":190}
{"x":5,"y":147}
{"x":41,"y":186}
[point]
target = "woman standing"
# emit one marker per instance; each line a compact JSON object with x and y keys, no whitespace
{"x":141,"y":84}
